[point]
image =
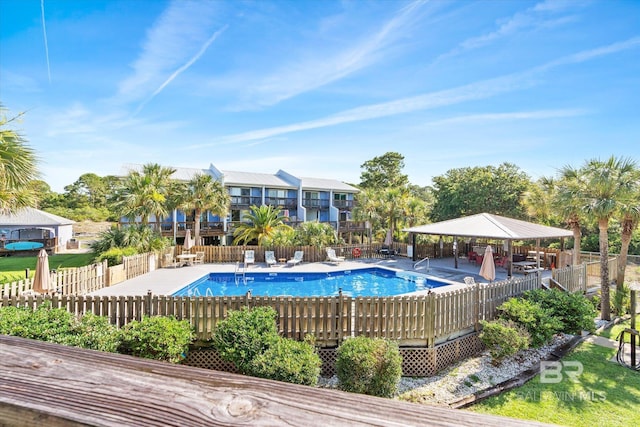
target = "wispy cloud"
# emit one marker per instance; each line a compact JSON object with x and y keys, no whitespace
{"x":514,"y":115}
{"x":178,"y":39}
{"x":308,"y":74}
{"x":474,"y":91}
{"x":46,"y":43}
{"x":532,"y":18}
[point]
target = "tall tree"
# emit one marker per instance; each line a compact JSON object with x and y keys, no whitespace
{"x":569,"y":202}
{"x":383,"y":172}
{"x":605,"y":185}
{"x":203,"y":193}
{"x":17,"y":167}
{"x":630,"y":217}
{"x":473,"y":190}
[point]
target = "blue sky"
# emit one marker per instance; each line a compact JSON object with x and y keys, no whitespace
{"x":317,"y":88}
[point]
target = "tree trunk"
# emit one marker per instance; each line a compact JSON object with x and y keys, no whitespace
{"x":603,"y":225}
{"x":628,"y":225}
{"x":577,"y":242}
{"x":196,"y":226}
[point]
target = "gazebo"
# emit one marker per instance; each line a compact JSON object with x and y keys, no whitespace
{"x":489,"y":226}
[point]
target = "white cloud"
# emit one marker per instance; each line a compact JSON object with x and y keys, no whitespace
{"x":310,"y":73}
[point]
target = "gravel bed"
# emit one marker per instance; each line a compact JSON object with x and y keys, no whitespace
{"x":468,"y":376}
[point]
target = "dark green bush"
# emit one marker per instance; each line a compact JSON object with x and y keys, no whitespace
{"x":538,"y":321}
{"x":288,"y":360}
{"x":14,"y":321}
{"x":621,"y":300}
{"x":369,"y":366}
{"x":503,"y":338}
{"x":157,"y":337}
{"x":575,"y":311}
{"x":244,"y":335}
{"x":114,"y":255}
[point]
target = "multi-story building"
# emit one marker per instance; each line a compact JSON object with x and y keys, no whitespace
{"x":300,"y":199}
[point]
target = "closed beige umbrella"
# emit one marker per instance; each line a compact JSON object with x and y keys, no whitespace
{"x":42,"y":278}
{"x":488,"y":267}
{"x":188,"y":242}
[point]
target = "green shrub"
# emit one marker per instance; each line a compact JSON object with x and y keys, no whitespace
{"x":369,"y":366}
{"x":244,"y":335}
{"x":157,"y":337}
{"x":114,"y":255}
{"x":95,"y":333}
{"x":621,"y":300}
{"x":288,"y":360}
{"x":575,"y":311}
{"x":538,"y":321}
{"x":13,"y":321}
{"x":503,"y":338}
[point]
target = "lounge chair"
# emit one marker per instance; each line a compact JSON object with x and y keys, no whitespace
{"x":332,"y":257}
{"x":170,"y":261}
{"x":297,"y":258}
{"x":249,"y":258}
{"x":199,"y":258}
{"x":270,"y":258}
{"x":469,"y":280}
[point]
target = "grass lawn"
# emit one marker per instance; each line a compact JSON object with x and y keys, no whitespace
{"x":605,"y":394}
{"x":13,"y":268}
{"x":615,"y":330}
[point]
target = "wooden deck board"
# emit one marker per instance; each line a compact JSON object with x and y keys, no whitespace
{"x":49,"y":384}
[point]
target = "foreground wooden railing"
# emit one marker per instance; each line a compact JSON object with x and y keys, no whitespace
{"x":410,"y":320}
{"x":49,"y":384}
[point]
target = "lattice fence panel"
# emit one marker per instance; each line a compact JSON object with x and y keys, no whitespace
{"x":208,"y":359}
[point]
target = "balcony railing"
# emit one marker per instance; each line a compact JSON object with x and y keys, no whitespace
{"x":343,"y":204}
{"x":245,"y":201}
{"x":315,"y":203}
{"x":285,"y":202}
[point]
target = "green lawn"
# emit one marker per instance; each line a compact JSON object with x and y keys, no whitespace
{"x":615,"y":330}
{"x":605,"y":394}
{"x":13,"y":268}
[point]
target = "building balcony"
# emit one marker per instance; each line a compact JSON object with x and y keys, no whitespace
{"x":315,"y":203}
{"x":344,"y":204}
{"x":283,"y":202}
{"x":245,"y":201}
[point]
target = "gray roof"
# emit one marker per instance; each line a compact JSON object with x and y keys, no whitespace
{"x":255,"y":179}
{"x":33,"y":217}
{"x":281,"y":179}
{"x":333,"y":184}
{"x":491,"y":227}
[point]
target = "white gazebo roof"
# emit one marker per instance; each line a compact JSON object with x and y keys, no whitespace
{"x":491,"y":226}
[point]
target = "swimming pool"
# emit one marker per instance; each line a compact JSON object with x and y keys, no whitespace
{"x":364,"y":282}
{"x":23,"y":246}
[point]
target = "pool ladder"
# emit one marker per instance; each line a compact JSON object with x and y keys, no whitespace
{"x":240,"y":273}
{"x":421,"y":261}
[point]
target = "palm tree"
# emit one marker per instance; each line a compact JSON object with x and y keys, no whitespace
{"x":630,"y":212}
{"x":259,"y":224}
{"x":203,"y":193}
{"x":17,"y":168}
{"x":569,"y":201}
{"x":604,"y":186}
{"x":145,"y":194}
{"x":538,"y":201}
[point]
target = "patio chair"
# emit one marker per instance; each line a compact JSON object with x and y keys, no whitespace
{"x":199,"y":258}
{"x":169,"y":261}
{"x":332,"y":257}
{"x":270,"y":258}
{"x":297,"y":258}
{"x":249,"y":258}
{"x":469,"y":280}
{"x":501,"y":262}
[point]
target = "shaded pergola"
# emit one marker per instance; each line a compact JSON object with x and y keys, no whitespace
{"x":489,"y":226}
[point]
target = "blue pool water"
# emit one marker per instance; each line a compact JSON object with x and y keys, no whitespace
{"x":365,"y":282}
{"x":23,"y":246}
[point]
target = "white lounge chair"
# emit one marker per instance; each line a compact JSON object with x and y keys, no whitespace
{"x":199,"y":258}
{"x":170,"y":261}
{"x":297,"y":258}
{"x":332,"y":257}
{"x":270,"y":258}
{"x":249,"y":258}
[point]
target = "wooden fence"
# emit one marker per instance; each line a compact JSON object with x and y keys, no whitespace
{"x":410,"y":320}
{"x":581,"y":278}
{"x":90,"y":278}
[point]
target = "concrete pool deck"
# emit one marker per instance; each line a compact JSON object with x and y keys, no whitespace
{"x":166,"y":281}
